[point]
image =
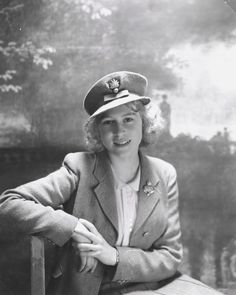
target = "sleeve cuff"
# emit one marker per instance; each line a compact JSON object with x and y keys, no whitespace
{"x":65,"y":226}
{"x":120,"y":270}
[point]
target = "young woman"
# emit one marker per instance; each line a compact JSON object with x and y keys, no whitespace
{"x":119,"y":230}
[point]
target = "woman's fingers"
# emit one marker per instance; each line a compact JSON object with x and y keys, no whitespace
{"x":80,"y":238}
{"x":89,"y":235}
{"x":94,"y":265}
{"x":88,"y":254}
{"x":89,"y":226}
{"x":88,"y":263}
{"x":76,"y":236}
{"x":86,"y":247}
{"x":99,"y":248}
{"x":83,"y":263}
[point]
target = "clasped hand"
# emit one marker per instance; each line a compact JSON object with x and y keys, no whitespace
{"x":92,"y":247}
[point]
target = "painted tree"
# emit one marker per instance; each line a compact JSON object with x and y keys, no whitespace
{"x":19,"y":18}
{"x":15,"y":49}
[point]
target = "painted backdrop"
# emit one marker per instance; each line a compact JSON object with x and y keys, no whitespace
{"x":50,"y":54}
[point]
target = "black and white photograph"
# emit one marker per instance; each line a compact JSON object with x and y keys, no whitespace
{"x":117,"y":147}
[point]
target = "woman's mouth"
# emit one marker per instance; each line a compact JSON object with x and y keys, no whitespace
{"x":121,"y":142}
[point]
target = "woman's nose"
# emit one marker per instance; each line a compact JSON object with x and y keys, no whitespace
{"x":118,"y":128}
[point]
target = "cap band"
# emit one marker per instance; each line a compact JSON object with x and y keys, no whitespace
{"x":120,"y":94}
{"x":122,"y":100}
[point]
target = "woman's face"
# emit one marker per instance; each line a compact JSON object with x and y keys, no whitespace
{"x":120,"y":130}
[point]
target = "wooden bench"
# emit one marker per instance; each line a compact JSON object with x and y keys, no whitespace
{"x":37,"y":266}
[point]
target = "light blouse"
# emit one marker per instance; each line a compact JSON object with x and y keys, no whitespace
{"x":127,"y":204}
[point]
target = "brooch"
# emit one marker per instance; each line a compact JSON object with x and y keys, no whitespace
{"x":149,"y":189}
{"x":114,"y":85}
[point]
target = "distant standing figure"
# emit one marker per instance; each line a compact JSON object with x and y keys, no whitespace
{"x":165,"y":112}
{"x":232,"y":264}
{"x":226,"y":134}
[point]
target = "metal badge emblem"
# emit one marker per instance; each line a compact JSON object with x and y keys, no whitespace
{"x":114,"y":85}
{"x":149,"y":188}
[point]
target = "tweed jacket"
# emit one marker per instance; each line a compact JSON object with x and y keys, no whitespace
{"x":83,"y":188}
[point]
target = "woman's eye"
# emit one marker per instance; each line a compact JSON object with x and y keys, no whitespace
{"x":107,"y":122}
{"x":129,"y":119}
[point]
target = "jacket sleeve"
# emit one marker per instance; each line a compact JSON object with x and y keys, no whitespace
{"x":162,"y":260}
{"x":35,"y":207}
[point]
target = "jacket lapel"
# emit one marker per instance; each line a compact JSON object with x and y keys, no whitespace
{"x":149,"y":192}
{"x":105,"y":189}
{"x":106,"y":195}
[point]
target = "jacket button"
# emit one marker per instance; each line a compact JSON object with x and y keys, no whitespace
{"x":145,"y":233}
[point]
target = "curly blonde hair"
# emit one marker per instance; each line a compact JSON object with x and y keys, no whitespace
{"x":152,"y":125}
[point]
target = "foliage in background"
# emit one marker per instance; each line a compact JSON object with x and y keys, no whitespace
{"x":31,"y":37}
{"x":16,"y":48}
{"x":75,"y":42}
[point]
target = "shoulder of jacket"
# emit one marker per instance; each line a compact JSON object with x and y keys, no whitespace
{"x":78,"y":160}
{"x":164,"y":168}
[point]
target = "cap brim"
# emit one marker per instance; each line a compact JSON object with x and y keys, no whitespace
{"x":120,"y":101}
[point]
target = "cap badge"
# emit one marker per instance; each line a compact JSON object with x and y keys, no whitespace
{"x":114,"y":85}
